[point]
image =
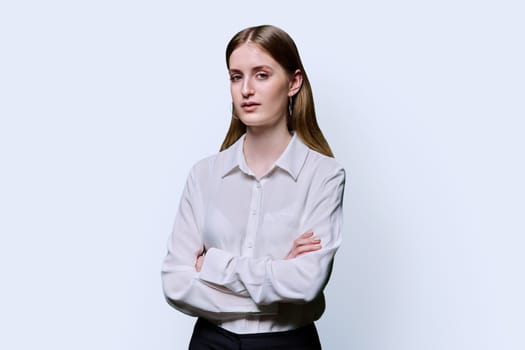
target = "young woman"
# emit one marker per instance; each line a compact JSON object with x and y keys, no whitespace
{"x":259,"y":223}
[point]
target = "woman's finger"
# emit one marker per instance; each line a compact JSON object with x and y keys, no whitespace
{"x":306,"y":234}
{"x":309,"y":240}
{"x":305,"y":243}
{"x":199,"y":262}
{"x":299,"y":250}
{"x":307,"y":248}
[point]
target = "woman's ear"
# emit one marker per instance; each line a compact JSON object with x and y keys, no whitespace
{"x":296,"y":82}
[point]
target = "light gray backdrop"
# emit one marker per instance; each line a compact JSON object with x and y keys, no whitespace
{"x":105,"y":105}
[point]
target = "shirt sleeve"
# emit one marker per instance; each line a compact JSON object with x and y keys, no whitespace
{"x":182,"y":287}
{"x":297,"y":280}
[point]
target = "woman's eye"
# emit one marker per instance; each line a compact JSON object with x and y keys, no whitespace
{"x":235,"y":77}
{"x":262,"y":75}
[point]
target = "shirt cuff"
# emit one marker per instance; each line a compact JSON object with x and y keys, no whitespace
{"x":219,"y":268}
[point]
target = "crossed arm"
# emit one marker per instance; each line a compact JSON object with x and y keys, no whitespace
{"x":305,"y":243}
{"x":219,"y":285}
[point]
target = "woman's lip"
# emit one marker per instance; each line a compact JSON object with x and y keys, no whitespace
{"x":249,"y":104}
{"x":249,"y":107}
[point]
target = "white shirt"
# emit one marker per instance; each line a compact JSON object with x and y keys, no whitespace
{"x":247,"y":228}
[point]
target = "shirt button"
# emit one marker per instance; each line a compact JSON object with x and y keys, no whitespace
{"x":258,"y":185}
{"x":254,"y":212}
{"x":250,"y":244}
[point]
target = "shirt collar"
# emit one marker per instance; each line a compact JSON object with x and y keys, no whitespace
{"x":291,"y":160}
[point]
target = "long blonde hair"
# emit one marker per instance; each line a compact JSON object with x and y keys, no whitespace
{"x":282,"y":48}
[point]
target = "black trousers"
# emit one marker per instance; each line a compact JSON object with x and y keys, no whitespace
{"x":207,"y":336}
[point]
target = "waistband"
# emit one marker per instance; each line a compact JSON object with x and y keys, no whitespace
{"x":307,"y":330}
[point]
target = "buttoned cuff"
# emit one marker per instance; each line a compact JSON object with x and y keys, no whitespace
{"x":219,"y":268}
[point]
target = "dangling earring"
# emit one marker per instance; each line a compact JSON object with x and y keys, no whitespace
{"x":290,"y":106}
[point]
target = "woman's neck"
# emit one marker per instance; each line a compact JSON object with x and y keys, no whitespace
{"x":263,"y":146}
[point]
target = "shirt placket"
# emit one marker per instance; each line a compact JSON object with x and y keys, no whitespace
{"x":253,"y":219}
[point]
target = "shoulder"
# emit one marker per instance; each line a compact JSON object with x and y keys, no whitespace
{"x":324,"y":166}
{"x":213,"y":165}
{"x":324,"y":177}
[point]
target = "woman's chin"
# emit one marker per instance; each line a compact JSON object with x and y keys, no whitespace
{"x":256,"y":121}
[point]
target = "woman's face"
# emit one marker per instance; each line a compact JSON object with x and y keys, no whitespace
{"x":260,"y":86}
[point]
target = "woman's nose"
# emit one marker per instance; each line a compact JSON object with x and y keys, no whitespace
{"x":247,"y":88}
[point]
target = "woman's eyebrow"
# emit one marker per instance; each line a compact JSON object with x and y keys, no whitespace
{"x":256,"y":68}
{"x":261,"y":67}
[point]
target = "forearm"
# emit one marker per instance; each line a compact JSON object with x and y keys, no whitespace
{"x":189,"y":294}
{"x":268,"y":281}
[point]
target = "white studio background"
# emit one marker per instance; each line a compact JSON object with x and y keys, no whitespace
{"x":105,"y":105}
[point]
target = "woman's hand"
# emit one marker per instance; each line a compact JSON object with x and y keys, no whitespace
{"x":199,"y":262}
{"x":305,"y":243}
